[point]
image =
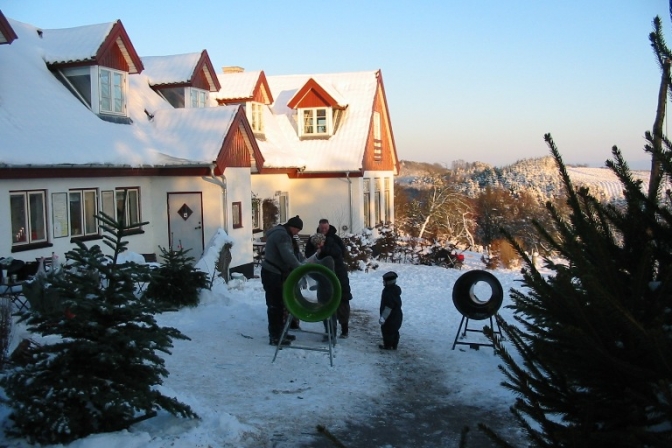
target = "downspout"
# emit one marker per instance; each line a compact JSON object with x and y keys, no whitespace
{"x":222,"y":183}
{"x":347,"y":176}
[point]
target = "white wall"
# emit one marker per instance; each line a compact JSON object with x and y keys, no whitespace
{"x":154,"y":201}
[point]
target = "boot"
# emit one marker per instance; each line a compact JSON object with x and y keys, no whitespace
{"x":274,"y":341}
{"x":344,"y":331}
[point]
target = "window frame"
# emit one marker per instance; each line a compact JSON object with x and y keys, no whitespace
{"x":29,"y":218}
{"x":237,"y":215}
{"x":310,"y":113}
{"x":198,"y":98}
{"x":136,"y":208}
{"x":256,"y":213}
{"x":366,"y":202}
{"x":256,"y":117}
{"x":114,"y":93}
{"x":88,"y":224}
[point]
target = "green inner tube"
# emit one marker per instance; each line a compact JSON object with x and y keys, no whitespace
{"x":304,"y":308}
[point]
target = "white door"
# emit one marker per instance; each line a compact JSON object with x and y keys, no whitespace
{"x":185,"y":222}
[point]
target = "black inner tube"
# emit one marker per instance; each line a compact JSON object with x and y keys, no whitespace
{"x":469,"y":304}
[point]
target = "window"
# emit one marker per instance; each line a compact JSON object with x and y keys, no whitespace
{"x":175,"y":96}
{"x":256,"y":213}
{"x":128,"y":206}
{"x":236,"y":215}
{"x":199,"y":97}
{"x":28,"y":217}
{"x":377,"y":140}
{"x":315,"y":122}
{"x":367,"y":202}
{"x":388,"y":210}
{"x":112,"y":86}
{"x":80,"y":80}
{"x":283,"y":206}
{"x":83,"y":207}
{"x":256,"y":117}
{"x":376,"y":201}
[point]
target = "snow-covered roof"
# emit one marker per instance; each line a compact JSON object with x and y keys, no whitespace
{"x":238,"y":85}
{"x":43,"y":123}
{"x":174,"y":69}
{"x":73,"y":44}
{"x":343,"y":151}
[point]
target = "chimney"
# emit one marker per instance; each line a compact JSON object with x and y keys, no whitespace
{"x":232,"y":69}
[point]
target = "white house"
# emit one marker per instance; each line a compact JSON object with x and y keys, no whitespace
{"x":326,"y":142}
{"x":84,"y":126}
{"x":87,"y":124}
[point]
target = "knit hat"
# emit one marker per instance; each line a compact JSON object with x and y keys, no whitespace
{"x":317,"y":238}
{"x":295,"y":222}
{"x":391,"y":275}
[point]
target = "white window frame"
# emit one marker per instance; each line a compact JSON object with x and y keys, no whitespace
{"x":256,"y":213}
{"x":376,"y":204}
{"x":256,"y":116}
{"x":132,"y":215}
{"x":86,"y":215}
{"x":115,"y":92}
{"x":283,"y":206}
{"x":198,"y":98}
{"x":308,"y":125}
{"x":366,"y":198}
{"x":29,"y":217}
{"x":388,"y":209}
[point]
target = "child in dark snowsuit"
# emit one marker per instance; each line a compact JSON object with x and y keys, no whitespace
{"x":390,"y":312}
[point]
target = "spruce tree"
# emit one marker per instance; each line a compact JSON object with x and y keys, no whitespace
{"x":595,"y":337}
{"x":99,"y":366}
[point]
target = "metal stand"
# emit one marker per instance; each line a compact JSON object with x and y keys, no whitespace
{"x":475,"y":345}
{"x":330,"y":349}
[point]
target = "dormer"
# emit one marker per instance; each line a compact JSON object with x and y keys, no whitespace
{"x":249,"y":89}
{"x":94,"y":63}
{"x":7,"y":34}
{"x":184,"y":80}
{"x":319,"y":108}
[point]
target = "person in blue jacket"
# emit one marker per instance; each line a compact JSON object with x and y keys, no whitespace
{"x":390,"y":312}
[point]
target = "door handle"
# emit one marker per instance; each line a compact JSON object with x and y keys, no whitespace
{"x":196,"y":228}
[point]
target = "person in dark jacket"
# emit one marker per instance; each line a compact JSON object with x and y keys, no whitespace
{"x":279,"y":260}
{"x":390,"y":311}
{"x":334,"y":247}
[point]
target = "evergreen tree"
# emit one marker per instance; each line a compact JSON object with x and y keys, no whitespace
{"x":99,"y":370}
{"x":176,"y":282}
{"x":595,"y":338}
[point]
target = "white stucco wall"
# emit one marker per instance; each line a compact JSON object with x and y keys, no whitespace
{"x":154,"y":202}
{"x":313,"y":199}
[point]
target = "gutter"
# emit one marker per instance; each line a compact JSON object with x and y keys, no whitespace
{"x":222,"y":183}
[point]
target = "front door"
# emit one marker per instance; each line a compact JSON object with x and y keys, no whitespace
{"x":185,"y":222}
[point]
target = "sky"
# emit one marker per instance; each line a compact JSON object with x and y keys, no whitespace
{"x":227,"y":373}
{"x":473,"y":81}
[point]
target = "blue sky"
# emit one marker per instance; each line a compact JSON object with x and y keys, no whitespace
{"x":465,"y":80}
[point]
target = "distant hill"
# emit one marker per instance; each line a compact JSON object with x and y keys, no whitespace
{"x":540,"y":176}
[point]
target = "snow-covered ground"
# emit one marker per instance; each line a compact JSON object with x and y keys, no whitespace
{"x":226,"y":374}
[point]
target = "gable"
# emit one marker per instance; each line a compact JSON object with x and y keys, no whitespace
{"x":204,"y":74}
{"x":7,"y":34}
{"x":380,"y":153}
{"x":312,"y":94}
{"x":239,"y":148}
{"x":103,"y":44}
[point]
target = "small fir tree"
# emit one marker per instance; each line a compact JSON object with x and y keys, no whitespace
{"x":176,"y":282}
{"x":101,"y":373}
{"x":596,"y":337}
